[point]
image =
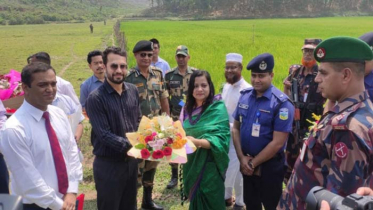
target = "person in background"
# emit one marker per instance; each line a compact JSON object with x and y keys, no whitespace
{"x":231,"y":93}
{"x":158,"y":61}
{"x":96,"y":64}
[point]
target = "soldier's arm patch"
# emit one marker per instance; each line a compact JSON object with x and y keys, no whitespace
{"x":284,"y":114}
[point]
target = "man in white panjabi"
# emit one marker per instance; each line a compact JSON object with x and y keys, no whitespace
{"x":231,"y":93}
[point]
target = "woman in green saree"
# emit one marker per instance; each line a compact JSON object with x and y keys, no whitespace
{"x":205,"y":121}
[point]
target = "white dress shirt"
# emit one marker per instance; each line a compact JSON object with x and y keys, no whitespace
{"x":230,"y":95}
{"x":66,"y":88}
{"x":27,"y":151}
{"x":65,"y":103}
{"x":2,"y":114}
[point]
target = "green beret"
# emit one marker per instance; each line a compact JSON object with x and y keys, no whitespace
{"x":343,"y":49}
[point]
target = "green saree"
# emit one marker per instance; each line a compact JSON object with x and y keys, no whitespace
{"x":204,"y":173}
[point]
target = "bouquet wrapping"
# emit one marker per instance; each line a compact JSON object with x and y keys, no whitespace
{"x":160,"y":139}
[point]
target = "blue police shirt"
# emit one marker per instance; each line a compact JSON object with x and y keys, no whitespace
{"x":89,"y":85}
{"x":368,"y":83}
{"x":273,"y":111}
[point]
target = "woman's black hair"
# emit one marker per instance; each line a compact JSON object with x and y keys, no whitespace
{"x":191,"y":101}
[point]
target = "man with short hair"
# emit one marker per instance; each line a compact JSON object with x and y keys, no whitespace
{"x":114,"y":110}
{"x":263,"y":121}
{"x":158,"y":61}
{"x":39,"y":147}
{"x":63,"y":87}
{"x":337,"y":155}
{"x":95,"y":63}
{"x":310,"y":100}
{"x":231,"y":93}
{"x":177,"y":83}
{"x":153,"y":100}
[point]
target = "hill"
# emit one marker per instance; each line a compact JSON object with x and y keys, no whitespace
{"x":223,"y":9}
{"x":16,"y":12}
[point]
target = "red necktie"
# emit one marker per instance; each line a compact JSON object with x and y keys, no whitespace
{"x":59,"y":162}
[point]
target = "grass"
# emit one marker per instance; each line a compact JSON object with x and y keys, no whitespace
{"x":208,"y":42}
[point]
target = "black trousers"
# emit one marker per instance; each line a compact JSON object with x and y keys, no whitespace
{"x":116,"y":182}
{"x":265,"y":189}
{"x":4,"y":176}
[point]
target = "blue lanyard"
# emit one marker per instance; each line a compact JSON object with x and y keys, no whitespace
{"x":257,"y":116}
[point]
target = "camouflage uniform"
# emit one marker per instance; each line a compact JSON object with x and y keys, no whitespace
{"x":337,"y":155}
{"x":177,"y":86}
{"x":151,"y":91}
{"x":310,"y":101}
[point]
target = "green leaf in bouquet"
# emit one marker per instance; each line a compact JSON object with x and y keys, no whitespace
{"x":140,"y":146}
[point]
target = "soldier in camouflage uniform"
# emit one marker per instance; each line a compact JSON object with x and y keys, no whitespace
{"x":338,"y":153}
{"x":310,"y":100}
{"x":177,"y":81}
{"x":153,"y":100}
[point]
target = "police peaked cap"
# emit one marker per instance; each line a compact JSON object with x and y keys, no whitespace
{"x":262,"y":63}
{"x":143,"y":45}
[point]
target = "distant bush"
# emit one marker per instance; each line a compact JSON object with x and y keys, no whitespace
{"x":16,"y":20}
{"x":34,"y":20}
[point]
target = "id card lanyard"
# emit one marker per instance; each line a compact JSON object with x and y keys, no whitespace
{"x":255,"y":131}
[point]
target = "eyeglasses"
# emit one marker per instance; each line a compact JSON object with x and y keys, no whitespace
{"x":143,"y":55}
{"x":114,"y":66}
{"x":232,"y":68}
{"x":309,"y":51}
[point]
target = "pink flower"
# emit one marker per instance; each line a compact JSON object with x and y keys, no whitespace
{"x":158,"y":154}
{"x":167,"y":151}
{"x":145,"y":154}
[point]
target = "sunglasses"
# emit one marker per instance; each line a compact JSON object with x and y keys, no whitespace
{"x":115,"y":66}
{"x":143,"y":55}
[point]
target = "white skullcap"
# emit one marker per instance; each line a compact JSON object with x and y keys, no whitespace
{"x":233,"y":57}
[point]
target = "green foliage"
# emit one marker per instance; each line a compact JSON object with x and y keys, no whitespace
{"x":39,"y":11}
{"x":260,"y":8}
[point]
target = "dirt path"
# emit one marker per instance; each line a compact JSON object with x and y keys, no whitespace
{"x":75,"y":59}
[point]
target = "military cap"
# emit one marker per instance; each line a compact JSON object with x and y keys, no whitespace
{"x":343,"y":49}
{"x":143,"y":45}
{"x":233,"y":57}
{"x":367,"y":38}
{"x":262,"y":63}
{"x":311,"y":43}
{"x":182,"y":50}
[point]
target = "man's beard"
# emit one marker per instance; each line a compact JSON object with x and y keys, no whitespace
{"x":308,"y":64}
{"x":116,"y":81}
{"x":233,"y":79}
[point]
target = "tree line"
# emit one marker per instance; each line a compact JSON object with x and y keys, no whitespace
{"x":262,"y":8}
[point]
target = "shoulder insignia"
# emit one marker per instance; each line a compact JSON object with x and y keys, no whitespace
{"x":294,"y":67}
{"x":247,"y":90}
{"x":279,"y":94}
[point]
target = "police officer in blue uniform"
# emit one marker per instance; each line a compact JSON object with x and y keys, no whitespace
{"x":263,"y":120}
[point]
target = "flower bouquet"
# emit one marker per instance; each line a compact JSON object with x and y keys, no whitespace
{"x":160,"y":139}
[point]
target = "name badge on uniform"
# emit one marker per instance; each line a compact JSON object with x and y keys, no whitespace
{"x":243,"y":106}
{"x":255,"y":130}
